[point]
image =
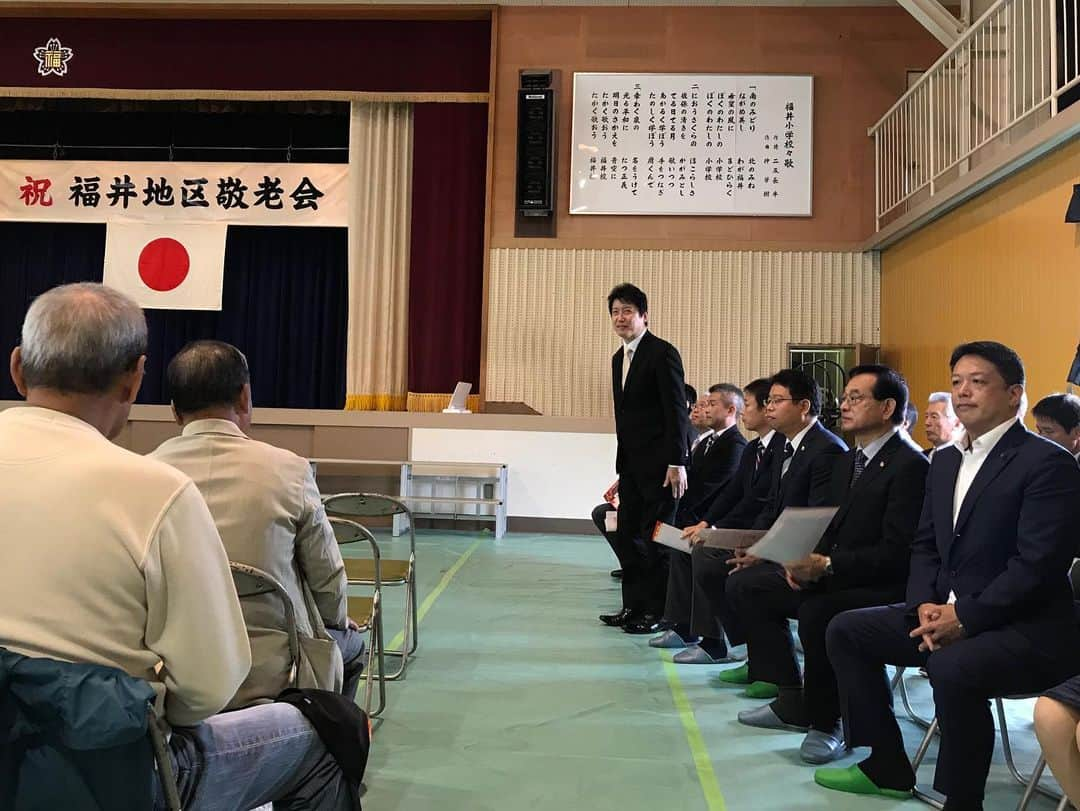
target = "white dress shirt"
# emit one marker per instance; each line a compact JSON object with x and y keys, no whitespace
{"x":972,"y":455}
{"x":708,"y":432}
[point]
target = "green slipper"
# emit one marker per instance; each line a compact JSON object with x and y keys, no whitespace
{"x":854,"y":781}
{"x":737,"y":676}
{"x":761,"y":689}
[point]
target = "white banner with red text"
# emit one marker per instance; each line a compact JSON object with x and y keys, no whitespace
{"x":286,"y":194}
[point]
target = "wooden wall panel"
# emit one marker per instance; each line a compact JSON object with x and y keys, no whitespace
{"x":858,"y":55}
{"x":1002,"y":267}
{"x":730,"y":313}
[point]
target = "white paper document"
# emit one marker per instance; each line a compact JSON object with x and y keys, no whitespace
{"x":671,"y":536}
{"x":794,"y":534}
{"x":730,"y":538}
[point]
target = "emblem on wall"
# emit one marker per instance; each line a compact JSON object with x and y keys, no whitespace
{"x":52,"y":58}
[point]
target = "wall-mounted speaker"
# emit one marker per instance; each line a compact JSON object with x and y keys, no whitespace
{"x":535,"y":194}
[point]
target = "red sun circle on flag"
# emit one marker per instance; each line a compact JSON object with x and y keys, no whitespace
{"x":163,"y":264}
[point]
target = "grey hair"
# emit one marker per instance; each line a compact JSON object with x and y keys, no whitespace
{"x":943,"y":397}
{"x":80,"y":338}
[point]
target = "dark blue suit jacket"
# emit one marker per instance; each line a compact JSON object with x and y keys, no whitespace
{"x":740,"y":502}
{"x":808,"y":482}
{"x":1008,"y":557}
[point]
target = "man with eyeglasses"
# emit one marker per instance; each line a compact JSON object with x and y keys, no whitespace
{"x":861,"y":560}
{"x":989,"y":609}
{"x":802,"y":479}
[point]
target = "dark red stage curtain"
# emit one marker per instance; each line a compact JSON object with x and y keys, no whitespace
{"x":162,"y":54}
{"x":446,"y":265}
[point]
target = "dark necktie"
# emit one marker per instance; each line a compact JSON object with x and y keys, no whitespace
{"x":860,"y":466}
{"x":760,"y":456}
{"x":708,"y":444}
{"x":789,"y":451}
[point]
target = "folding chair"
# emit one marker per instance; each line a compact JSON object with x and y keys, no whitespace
{"x":395,"y":572}
{"x":251,"y":581}
{"x":1030,"y":782}
{"x":162,"y":761}
{"x":367,"y":611}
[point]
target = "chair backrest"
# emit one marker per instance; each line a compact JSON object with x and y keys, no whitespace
{"x":251,"y":581}
{"x":364,"y":505}
{"x":348,"y":531}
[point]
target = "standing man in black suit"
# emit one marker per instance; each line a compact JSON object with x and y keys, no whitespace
{"x":713,"y":464}
{"x":802,"y":479}
{"x":861,"y":560}
{"x":697,"y":622}
{"x":989,"y":608}
{"x":651,"y":428}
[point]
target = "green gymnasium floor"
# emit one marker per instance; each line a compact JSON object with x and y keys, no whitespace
{"x":518,"y":698}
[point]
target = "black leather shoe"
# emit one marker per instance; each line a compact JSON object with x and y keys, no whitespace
{"x":642,"y":624}
{"x":617,"y":620}
{"x":617,"y":574}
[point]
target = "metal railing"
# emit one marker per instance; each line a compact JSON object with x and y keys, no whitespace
{"x":1016,"y":60}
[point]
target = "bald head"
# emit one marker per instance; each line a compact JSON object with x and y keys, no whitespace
{"x":81,"y":338}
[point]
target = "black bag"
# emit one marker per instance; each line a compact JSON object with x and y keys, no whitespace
{"x":343,"y":727}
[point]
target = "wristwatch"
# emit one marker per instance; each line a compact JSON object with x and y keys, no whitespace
{"x":828,"y":566}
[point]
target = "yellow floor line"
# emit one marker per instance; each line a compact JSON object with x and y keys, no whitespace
{"x":714,"y":800}
{"x":425,"y":606}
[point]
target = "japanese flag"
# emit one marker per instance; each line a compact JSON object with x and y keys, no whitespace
{"x":167,"y":266}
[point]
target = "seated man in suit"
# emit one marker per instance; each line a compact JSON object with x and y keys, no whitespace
{"x":267,"y":508}
{"x":861,"y":560}
{"x":114,"y":560}
{"x":712,"y":465}
{"x":803,"y":479}
{"x":688,"y":611}
{"x":989,"y":608}
{"x":941,"y":422}
{"x":1057,"y":417}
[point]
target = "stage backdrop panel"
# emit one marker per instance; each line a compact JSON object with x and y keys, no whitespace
{"x":682,"y":143}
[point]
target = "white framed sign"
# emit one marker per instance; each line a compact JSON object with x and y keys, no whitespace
{"x":686,"y":143}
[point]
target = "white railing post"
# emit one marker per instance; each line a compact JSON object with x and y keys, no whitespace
{"x":933,"y":136}
{"x":1053,"y":57}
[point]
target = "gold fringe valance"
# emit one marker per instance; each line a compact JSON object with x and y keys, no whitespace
{"x":437,"y":402}
{"x":376,"y":402}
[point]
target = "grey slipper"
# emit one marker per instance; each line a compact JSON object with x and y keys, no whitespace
{"x":697,"y":655}
{"x":820,"y":747}
{"x":668,"y":639}
{"x":765,"y":718}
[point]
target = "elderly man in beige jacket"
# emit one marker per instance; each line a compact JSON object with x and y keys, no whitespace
{"x":110,"y":558}
{"x":267,"y":508}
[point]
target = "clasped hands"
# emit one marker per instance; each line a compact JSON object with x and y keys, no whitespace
{"x":938,"y":626}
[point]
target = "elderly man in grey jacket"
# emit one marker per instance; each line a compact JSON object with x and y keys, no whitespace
{"x":266,"y":506}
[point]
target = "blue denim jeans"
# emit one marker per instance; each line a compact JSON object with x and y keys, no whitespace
{"x":268,"y":753}
{"x":352,"y":654}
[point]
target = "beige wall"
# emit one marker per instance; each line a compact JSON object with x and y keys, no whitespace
{"x":731,"y":314}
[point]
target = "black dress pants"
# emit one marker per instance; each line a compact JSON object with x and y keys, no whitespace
{"x":762,"y":599}
{"x":1028,"y":656}
{"x":643,"y":500}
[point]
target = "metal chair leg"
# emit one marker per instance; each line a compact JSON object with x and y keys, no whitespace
{"x":1030,"y":782}
{"x":1029,"y":792}
{"x":914,"y":716}
{"x":920,"y":753}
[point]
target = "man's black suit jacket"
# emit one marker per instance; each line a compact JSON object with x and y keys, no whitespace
{"x":651,"y":423}
{"x":710,"y":473}
{"x":738,"y":505}
{"x":1008,"y":556}
{"x":869,"y":538}
{"x":808,"y":482}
